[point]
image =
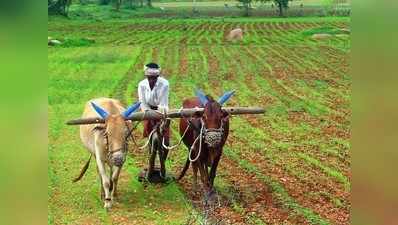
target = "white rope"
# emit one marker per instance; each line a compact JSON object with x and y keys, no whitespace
{"x":200,"y":145}
{"x":182,"y":137}
{"x":152,"y":144}
{"x":149,"y":138}
{"x":179,"y":143}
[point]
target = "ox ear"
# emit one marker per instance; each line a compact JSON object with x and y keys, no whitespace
{"x":225,"y":97}
{"x":202,"y":97}
{"x":131,"y":109}
{"x":104,"y":114}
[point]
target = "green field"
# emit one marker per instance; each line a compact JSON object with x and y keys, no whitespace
{"x":288,"y":166}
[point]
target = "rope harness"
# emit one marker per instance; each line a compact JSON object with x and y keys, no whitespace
{"x":211,"y":136}
{"x":109,"y":153}
{"x":163,"y":139}
{"x":179,"y":142}
{"x":164,"y":115}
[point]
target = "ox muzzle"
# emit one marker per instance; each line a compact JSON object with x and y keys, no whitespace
{"x":213,"y":136}
{"x":117,"y":158}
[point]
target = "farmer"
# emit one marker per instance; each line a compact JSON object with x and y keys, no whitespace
{"x":153,"y":93}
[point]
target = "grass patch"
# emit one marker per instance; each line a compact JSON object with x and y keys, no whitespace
{"x":329,"y":171}
{"x":278,"y":191}
{"x":76,"y":42}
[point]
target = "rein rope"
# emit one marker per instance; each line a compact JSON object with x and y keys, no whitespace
{"x":200,"y":144}
{"x":211,"y":137}
{"x":179,"y":142}
{"x":149,"y":138}
{"x":183,"y":135}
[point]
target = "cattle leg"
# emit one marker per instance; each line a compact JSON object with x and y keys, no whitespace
{"x":204,"y":176}
{"x":101,"y":186}
{"x":151,"y":161}
{"x":213,"y":171}
{"x":162,"y":158}
{"x":104,"y":178}
{"x":195,"y":176}
{"x":115,"y":178}
{"x":105,"y":183}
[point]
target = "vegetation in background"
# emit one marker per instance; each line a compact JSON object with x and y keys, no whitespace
{"x":282,"y":5}
{"x":59,"y":7}
{"x":246,"y":5}
{"x":127,"y":9}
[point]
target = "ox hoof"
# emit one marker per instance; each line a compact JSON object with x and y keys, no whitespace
{"x":108,"y":204}
{"x":154,"y":177}
{"x":211,"y":198}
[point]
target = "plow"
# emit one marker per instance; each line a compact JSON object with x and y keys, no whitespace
{"x":153,"y":173}
{"x":205,"y":126}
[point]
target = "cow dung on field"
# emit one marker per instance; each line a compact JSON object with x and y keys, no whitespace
{"x":235,"y":35}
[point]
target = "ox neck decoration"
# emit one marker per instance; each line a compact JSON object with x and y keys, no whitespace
{"x":213,"y":136}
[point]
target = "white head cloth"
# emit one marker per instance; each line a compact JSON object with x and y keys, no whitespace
{"x":151,"y":71}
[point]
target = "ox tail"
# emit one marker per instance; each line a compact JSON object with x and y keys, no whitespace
{"x":184,"y":170}
{"x":83,"y":171}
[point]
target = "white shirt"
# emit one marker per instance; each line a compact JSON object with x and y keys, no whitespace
{"x":158,"y":96}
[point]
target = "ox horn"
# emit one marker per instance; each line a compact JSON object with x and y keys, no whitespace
{"x":131,"y":109}
{"x":202,"y":97}
{"x":104,"y":114}
{"x":225,"y":97}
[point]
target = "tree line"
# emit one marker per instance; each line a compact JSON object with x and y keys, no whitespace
{"x":61,"y":7}
{"x":281,"y":4}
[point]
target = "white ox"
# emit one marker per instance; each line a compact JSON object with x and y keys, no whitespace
{"x":235,"y":34}
{"x":107,"y":141}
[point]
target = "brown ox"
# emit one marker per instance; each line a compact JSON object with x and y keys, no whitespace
{"x":107,"y":141}
{"x":205,"y":137}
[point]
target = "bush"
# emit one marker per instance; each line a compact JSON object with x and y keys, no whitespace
{"x":58,"y":7}
{"x":79,"y":42}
